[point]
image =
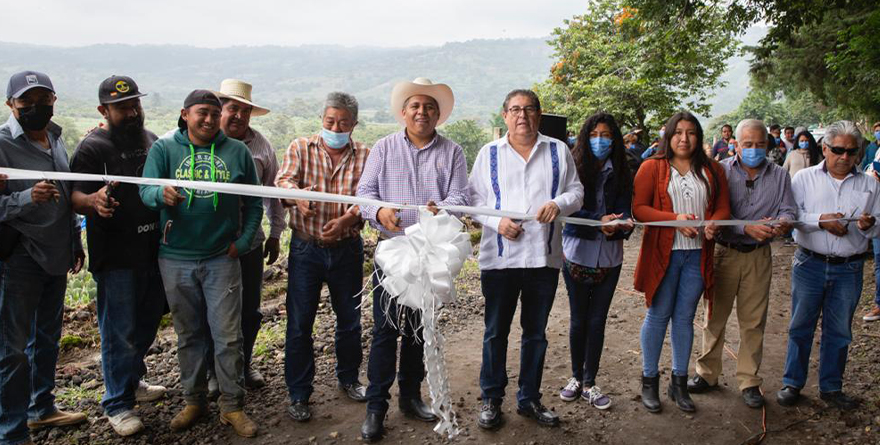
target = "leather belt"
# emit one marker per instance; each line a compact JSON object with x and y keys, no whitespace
{"x":744,"y":248}
{"x":830,"y":259}
{"x":320,"y":243}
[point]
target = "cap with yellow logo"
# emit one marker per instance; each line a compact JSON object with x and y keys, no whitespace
{"x":117,"y":89}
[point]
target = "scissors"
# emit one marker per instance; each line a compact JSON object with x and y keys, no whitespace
{"x":108,"y":184}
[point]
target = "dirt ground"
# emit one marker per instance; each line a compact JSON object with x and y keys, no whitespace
{"x":721,"y":417}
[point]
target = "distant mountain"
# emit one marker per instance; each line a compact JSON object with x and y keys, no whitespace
{"x":480,"y":72}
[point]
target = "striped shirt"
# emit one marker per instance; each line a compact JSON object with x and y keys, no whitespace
{"x":769,"y":196}
{"x":689,"y":196}
{"x":399,"y":172}
{"x":267,"y":169}
{"x":308,"y":164}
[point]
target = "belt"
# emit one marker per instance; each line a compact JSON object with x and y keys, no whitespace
{"x":830,"y":259}
{"x":320,"y":243}
{"x":744,"y":248}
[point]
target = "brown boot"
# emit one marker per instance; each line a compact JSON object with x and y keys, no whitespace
{"x":188,"y":417}
{"x":58,"y":418}
{"x":243,"y":426}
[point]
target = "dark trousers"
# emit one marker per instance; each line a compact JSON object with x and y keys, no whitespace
{"x":309,"y":267}
{"x":31,"y":309}
{"x":251,"y":317}
{"x":589,"y":304}
{"x":391,"y":322}
{"x":535,"y":288}
{"x":130,"y":306}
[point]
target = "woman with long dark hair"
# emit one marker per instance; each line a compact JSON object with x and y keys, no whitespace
{"x":675,"y":264}
{"x":593,"y":256}
{"x":805,"y":153}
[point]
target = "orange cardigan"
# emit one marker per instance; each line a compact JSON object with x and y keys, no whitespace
{"x":651,"y":202}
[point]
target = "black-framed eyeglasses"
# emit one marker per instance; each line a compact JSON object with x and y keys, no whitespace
{"x":530,"y":110}
{"x":841,"y":150}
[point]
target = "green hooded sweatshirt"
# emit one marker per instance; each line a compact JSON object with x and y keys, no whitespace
{"x":201,"y":226}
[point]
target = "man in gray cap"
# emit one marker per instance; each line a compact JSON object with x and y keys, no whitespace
{"x":123,"y":238}
{"x":39,"y":244}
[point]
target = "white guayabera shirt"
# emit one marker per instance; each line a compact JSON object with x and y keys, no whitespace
{"x":501,"y":179}
{"x":817,"y":192}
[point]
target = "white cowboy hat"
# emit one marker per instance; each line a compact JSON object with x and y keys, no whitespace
{"x":440,"y":92}
{"x":240,"y":91}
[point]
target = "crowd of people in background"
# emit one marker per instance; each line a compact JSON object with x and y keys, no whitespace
{"x":202,"y":252}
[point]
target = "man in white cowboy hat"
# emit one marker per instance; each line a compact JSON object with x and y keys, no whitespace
{"x":413,"y":166}
{"x":235,"y":117}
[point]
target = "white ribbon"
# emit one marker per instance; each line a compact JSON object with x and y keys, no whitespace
{"x":419,"y":272}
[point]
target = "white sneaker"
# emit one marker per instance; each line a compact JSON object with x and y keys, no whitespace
{"x":126,"y":423}
{"x":148,"y":393}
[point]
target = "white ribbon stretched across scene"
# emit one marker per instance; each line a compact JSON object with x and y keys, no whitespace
{"x":419,"y":268}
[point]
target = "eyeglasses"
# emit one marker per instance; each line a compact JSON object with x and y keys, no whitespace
{"x":841,"y":150}
{"x":530,"y":110}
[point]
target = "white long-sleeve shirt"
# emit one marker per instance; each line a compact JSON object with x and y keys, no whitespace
{"x":501,"y":179}
{"x":817,"y":192}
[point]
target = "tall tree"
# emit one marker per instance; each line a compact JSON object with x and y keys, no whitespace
{"x":469,"y":135}
{"x":614,"y":59}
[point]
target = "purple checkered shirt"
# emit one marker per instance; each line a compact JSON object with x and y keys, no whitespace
{"x":396,"y":171}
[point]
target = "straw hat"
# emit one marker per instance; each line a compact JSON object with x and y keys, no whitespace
{"x":241,"y":91}
{"x":440,"y":92}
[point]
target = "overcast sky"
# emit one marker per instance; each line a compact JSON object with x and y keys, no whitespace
{"x":219,"y":23}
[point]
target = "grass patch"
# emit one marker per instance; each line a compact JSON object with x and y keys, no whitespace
{"x":269,"y":338}
{"x":72,"y":395}
{"x":166,"y":321}
{"x":72,"y":341}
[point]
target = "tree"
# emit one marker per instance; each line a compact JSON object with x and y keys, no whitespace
{"x":281,"y":130}
{"x":612,"y":59}
{"x":830,"y":48}
{"x":382,"y":116}
{"x":469,"y":135}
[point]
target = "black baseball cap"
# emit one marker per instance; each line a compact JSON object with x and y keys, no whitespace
{"x":197,"y":97}
{"x":117,"y":89}
{"x":21,"y":82}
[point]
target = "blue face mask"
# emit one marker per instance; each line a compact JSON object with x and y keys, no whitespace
{"x":662,"y":132}
{"x":877,"y":135}
{"x":335,"y":140}
{"x":777,"y":141}
{"x":601,"y":147}
{"x":731,"y":147}
{"x":803,"y":144}
{"x":753,"y":157}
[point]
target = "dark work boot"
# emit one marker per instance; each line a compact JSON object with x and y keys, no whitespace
{"x":373,"y":429}
{"x":651,"y":393}
{"x":678,"y":392}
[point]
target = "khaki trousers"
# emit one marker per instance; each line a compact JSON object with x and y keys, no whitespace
{"x":744,"y":278}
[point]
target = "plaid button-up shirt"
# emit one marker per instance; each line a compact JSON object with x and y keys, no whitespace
{"x":399,"y":172}
{"x":308,"y":164}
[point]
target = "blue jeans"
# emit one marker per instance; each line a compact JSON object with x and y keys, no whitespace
{"x":876,"y":243}
{"x":309,"y":267}
{"x":535,"y":288}
{"x":832,"y":290}
{"x":676,"y":299}
{"x":130,"y":306}
{"x":206,"y":294}
{"x":31,"y":309}
{"x":588,"y":304}
{"x":391,"y":321}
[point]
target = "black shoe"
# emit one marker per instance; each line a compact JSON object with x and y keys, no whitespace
{"x":213,"y":386}
{"x":490,"y":414}
{"x":355,"y":391}
{"x":373,"y":429}
{"x":678,"y":392}
{"x":299,"y":411}
{"x":651,"y":394}
{"x":699,"y":385}
{"x":839,"y":400}
{"x":753,"y":397}
{"x":253,"y":379}
{"x":416,"y":409}
{"x":788,"y":395}
{"x":541,"y":414}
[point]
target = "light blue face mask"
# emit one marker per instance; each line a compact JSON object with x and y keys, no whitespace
{"x":601,"y":147}
{"x":877,"y":135}
{"x":662,"y":132}
{"x":753,"y":157}
{"x":731,"y":147}
{"x":335,"y":140}
{"x":803,"y":144}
